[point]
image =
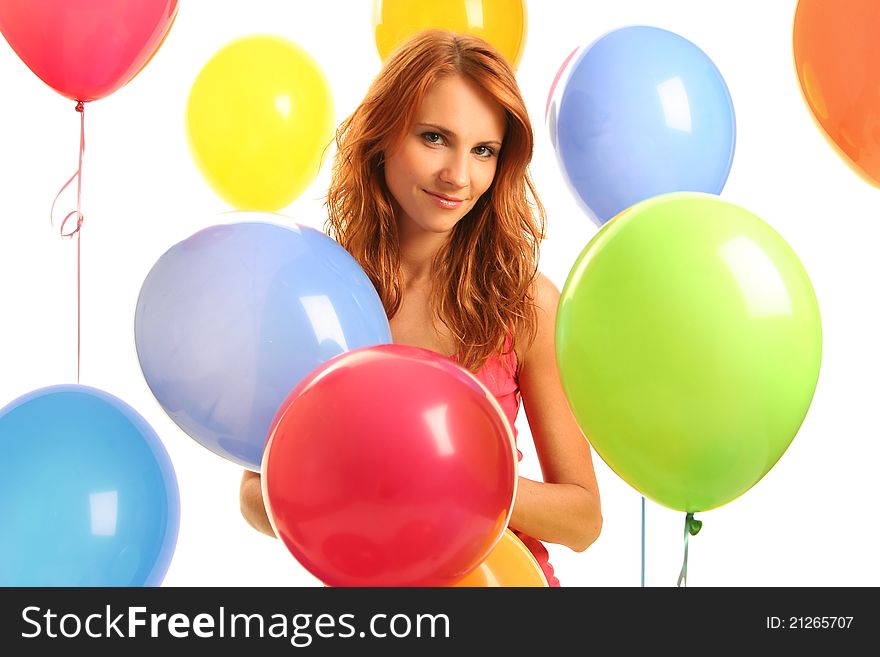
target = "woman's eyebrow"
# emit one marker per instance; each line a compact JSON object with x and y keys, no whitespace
{"x":449,"y":133}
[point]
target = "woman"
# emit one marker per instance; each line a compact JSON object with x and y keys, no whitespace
{"x":431,"y":195}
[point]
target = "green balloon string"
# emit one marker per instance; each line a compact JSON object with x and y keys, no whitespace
{"x":692,"y":527}
{"x":643,"y":542}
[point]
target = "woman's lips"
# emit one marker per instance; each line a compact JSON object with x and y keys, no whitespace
{"x":444,"y":202}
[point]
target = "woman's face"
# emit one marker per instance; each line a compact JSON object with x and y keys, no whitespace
{"x":448,"y":157}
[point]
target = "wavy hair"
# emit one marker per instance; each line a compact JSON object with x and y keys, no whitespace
{"x":483,"y":276}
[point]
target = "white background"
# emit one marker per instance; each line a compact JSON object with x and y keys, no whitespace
{"x":811,"y":521}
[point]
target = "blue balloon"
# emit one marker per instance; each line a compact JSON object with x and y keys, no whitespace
{"x":88,"y":495}
{"x":643,"y":112}
{"x":232,"y":318}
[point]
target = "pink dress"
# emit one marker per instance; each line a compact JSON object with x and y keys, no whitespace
{"x":499,"y":375}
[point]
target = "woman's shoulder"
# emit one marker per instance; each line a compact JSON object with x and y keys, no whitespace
{"x":545,"y":292}
{"x":545,"y":296}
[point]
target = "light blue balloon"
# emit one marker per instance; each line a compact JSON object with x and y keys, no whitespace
{"x":88,"y":495}
{"x":643,"y":112}
{"x":232,"y":318}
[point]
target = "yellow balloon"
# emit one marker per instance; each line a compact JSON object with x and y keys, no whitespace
{"x":259,"y":118}
{"x":500,"y":22}
{"x":509,"y":564}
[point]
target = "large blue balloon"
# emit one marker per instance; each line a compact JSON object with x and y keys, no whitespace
{"x":231,"y":319}
{"x":642,"y":112}
{"x":88,"y":496}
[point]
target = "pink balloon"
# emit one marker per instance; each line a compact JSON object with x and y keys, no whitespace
{"x":86,"y":49}
{"x":390,"y":466}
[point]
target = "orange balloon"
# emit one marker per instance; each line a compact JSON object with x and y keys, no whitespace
{"x":509,"y":564}
{"x":837,"y":57}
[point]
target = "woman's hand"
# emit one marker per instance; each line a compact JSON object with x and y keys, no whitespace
{"x":252,"y":507}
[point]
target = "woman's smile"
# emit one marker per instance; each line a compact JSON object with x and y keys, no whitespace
{"x":443,"y":201}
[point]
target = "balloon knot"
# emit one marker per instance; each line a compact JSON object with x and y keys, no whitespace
{"x":79,"y":106}
{"x":693,"y":525}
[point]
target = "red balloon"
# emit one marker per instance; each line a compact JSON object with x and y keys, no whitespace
{"x":86,"y":49}
{"x":390,"y":466}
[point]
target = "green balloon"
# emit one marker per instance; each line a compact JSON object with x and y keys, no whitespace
{"x":689,"y":341}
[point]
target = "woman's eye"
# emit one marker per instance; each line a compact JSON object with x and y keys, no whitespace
{"x":432,"y":137}
{"x":484,"y":151}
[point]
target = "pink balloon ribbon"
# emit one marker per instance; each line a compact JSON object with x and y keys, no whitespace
{"x":80,"y":107}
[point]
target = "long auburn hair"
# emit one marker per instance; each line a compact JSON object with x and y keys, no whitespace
{"x":483,"y":275}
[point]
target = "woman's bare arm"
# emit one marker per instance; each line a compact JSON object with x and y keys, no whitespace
{"x":565,"y":507}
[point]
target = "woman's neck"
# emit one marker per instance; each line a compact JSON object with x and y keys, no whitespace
{"x":417,"y":251}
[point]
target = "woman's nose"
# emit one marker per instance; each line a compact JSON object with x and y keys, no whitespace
{"x":455,"y":171}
